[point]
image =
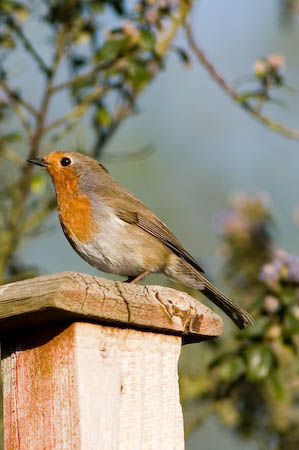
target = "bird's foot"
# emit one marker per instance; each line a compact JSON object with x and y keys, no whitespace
{"x":139,"y":277}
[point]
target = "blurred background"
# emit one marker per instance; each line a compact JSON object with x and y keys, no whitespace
{"x":221,"y":172}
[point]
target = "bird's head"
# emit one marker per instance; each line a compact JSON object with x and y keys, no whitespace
{"x":68,"y":168}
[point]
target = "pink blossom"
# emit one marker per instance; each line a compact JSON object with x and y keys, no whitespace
{"x":271,"y":304}
{"x":131,"y":31}
{"x":260,"y":67}
{"x":276,"y":61}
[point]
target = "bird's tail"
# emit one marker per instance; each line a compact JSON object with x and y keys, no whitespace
{"x":182,"y":271}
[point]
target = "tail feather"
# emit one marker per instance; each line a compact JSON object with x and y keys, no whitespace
{"x":181,"y":271}
{"x":238,"y":315}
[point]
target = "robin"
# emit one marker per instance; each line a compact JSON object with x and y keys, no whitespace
{"x":116,"y":233}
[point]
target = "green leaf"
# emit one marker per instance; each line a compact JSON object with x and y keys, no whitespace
{"x":104,"y":117}
{"x":21,"y":12}
{"x":97,"y":6}
{"x":7,"y":42}
{"x":290,"y":324}
{"x":232,"y":369}
{"x":147,"y":40}
{"x":259,"y":362}
{"x":242,"y":98}
{"x":37,"y":184}
{"x":183,"y":55}
{"x":287,"y":295}
{"x":139,"y":75}
{"x":257,"y":329}
{"x":277,"y":385}
{"x":11,"y":137}
{"x":111,"y":49}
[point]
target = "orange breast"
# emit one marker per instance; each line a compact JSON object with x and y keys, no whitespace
{"x":74,"y":208}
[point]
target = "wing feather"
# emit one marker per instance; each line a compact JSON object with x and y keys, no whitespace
{"x":118,"y":198}
{"x":160,"y":231}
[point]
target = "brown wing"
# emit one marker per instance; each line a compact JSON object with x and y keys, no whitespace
{"x":118,"y":198}
{"x":157,"y":229}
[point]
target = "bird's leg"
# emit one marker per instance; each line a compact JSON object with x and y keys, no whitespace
{"x":139,"y":277}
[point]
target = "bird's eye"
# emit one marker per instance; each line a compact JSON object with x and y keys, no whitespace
{"x":65,"y":162}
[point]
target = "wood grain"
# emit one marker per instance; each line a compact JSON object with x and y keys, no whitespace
{"x":91,"y":387}
{"x":70,"y":296}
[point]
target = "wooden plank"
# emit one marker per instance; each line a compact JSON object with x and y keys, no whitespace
{"x":91,"y":387}
{"x":70,"y":296}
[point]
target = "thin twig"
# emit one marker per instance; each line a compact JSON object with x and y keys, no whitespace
{"x":82,"y":77}
{"x":19,"y":112}
{"x":76,"y":113}
{"x":12,"y":156}
{"x":61,"y":133}
{"x":232,"y":93}
{"x":122,"y":112}
{"x":16,"y":104}
{"x":39,"y":215}
{"x":135,"y":155}
{"x":177,"y":20}
{"x":29,"y":47}
{"x":16,"y":98}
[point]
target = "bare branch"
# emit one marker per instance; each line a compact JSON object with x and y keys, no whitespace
{"x":39,"y":215}
{"x":177,"y":20}
{"x":233,"y":94}
{"x":19,"y":112}
{"x":29,"y":47}
{"x":122,"y":112}
{"x":12,"y":156}
{"x":82,"y":77}
{"x":16,"y":98}
{"x":76,"y":113}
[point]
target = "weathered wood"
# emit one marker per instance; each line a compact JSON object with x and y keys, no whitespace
{"x":91,"y":387}
{"x":91,"y":364}
{"x":70,"y":296}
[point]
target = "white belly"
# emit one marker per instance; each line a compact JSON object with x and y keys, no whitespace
{"x":115,"y":248}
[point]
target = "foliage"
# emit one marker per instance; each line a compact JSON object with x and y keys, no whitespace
{"x":253,"y":382}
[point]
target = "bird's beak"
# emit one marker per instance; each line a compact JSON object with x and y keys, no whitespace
{"x":38,"y":161}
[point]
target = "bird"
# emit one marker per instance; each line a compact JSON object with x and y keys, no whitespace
{"x":115,"y":232}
